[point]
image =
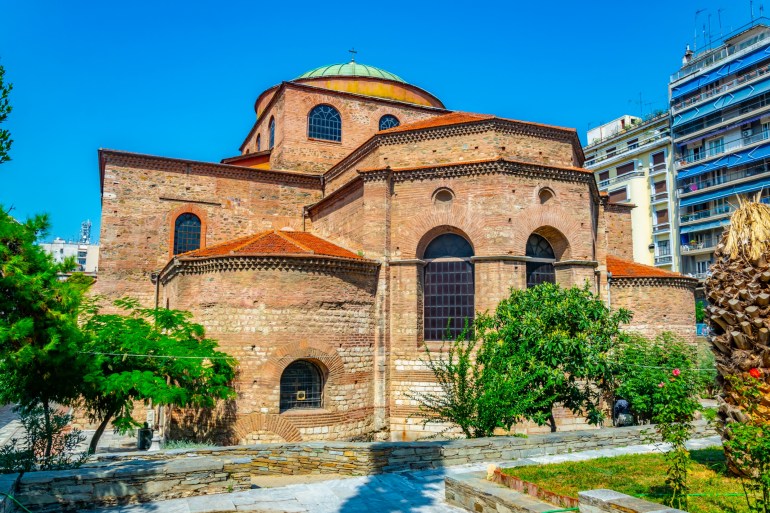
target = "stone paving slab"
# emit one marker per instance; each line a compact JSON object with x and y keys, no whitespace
{"x":402,"y":492}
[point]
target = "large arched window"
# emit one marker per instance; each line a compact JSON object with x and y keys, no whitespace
{"x":272,"y":134}
{"x":259,"y":143}
{"x":540,"y":269}
{"x":448,"y":287}
{"x":324,"y":122}
{"x":301,"y":386}
{"x":187,"y":233}
{"x":388,"y":121}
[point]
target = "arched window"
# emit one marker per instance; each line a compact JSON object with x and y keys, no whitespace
{"x":540,"y":269}
{"x":187,"y":233}
{"x":388,"y":121}
{"x":272,"y":134}
{"x":448,"y":287}
{"x":259,"y":143}
{"x":301,"y":386}
{"x":324,"y":122}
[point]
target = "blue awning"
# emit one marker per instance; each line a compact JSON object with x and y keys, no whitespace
{"x":720,"y":72}
{"x":704,"y":226}
{"x":725,"y":100}
{"x":723,"y":193}
{"x":735,"y":159}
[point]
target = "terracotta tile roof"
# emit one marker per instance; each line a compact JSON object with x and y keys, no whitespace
{"x":453,"y":118}
{"x":274,"y":242}
{"x":621,"y":268}
{"x":456,"y":118}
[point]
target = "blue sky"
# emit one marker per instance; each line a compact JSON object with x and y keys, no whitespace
{"x":180,"y":78}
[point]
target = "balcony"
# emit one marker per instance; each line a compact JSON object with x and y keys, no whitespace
{"x":658,"y":197}
{"x":726,"y":147}
{"x":622,"y":178}
{"x":661,"y":228}
{"x":705,"y":245}
{"x":631,"y":148}
{"x":713,"y":181}
{"x":663,"y":259}
{"x":657,"y":169}
{"x":705,"y":214}
{"x":739,"y":81}
{"x":723,"y":53}
{"x":739,"y":112}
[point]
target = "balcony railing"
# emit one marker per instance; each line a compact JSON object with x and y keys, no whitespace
{"x":630,"y":148}
{"x":727,"y":114}
{"x":726,"y":147}
{"x":662,"y":227}
{"x":658,"y":168}
{"x":723,"y":53}
{"x":660,"y":196}
{"x":621,"y":178}
{"x":739,"y":81}
{"x":663,"y":259}
{"x":701,"y":244}
{"x":704,"y":214}
{"x":712,"y":181}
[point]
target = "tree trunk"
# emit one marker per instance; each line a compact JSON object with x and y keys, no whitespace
{"x":48,"y":433}
{"x":100,"y":431}
{"x":552,"y":422}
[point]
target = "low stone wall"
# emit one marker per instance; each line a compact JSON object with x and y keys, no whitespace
{"x":122,"y":478}
{"x":8,"y":488}
{"x":476,"y":494}
{"x":127,"y":482}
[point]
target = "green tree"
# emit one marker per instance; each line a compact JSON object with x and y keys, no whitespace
{"x":541,"y":347}
{"x":149,"y":354}
{"x":5,"y":109}
{"x":40,"y":360}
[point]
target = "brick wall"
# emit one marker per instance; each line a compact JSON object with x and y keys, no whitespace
{"x":142,"y":196}
{"x":620,"y":241}
{"x":269,"y":316}
{"x":658,"y":305}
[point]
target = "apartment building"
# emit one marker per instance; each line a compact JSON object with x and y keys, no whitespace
{"x":720,"y":127}
{"x":85,"y":253}
{"x":631,"y":160}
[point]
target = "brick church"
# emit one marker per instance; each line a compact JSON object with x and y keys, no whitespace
{"x":358,"y":219}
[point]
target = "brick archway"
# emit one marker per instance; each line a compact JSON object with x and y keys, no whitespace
{"x":319,"y":352}
{"x":247,"y":424}
{"x":187,"y":208}
{"x":458,"y":219}
{"x":554,"y":224}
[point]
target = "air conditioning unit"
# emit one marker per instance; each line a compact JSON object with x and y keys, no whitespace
{"x":746,"y":133}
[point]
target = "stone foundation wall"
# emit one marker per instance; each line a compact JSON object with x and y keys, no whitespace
{"x":8,"y":487}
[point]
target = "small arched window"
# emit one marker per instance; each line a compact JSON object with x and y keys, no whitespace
{"x":324,"y":122}
{"x":301,"y":386}
{"x":272,"y":134}
{"x":448,"y":288}
{"x":259,"y":143}
{"x":187,"y":233}
{"x":388,"y":121}
{"x":540,"y":269}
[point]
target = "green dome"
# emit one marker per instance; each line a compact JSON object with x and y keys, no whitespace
{"x":350,"y":69}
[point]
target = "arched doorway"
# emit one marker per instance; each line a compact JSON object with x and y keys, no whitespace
{"x":540,"y":267}
{"x":448,"y":287}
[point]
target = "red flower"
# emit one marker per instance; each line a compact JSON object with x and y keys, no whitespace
{"x":755,"y":373}
{"x":661,"y":385}
{"x":676,"y":372}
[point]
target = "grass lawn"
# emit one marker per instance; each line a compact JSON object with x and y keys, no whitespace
{"x":643,"y":475}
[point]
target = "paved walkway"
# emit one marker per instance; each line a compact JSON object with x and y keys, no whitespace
{"x":402,"y":492}
{"x":10,"y":427}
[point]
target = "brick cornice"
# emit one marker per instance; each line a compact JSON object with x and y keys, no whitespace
{"x":194,"y":167}
{"x":658,"y":281}
{"x":300,"y":263}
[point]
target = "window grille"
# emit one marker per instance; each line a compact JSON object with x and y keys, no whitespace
{"x":448,"y":287}
{"x":272,"y":134}
{"x":324,"y":122}
{"x":388,"y":121}
{"x":187,"y":233}
{"x":301,"y":386}
{"x":540,"y":272}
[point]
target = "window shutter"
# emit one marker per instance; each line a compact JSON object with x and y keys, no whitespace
{"x":661,"y":216}
{"x":625,"y":168}
{"x":618,"y":196}
{"x":660,"y":187}
{"x":658,"y":158}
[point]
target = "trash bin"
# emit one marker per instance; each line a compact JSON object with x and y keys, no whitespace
{"x":144,"y":438}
